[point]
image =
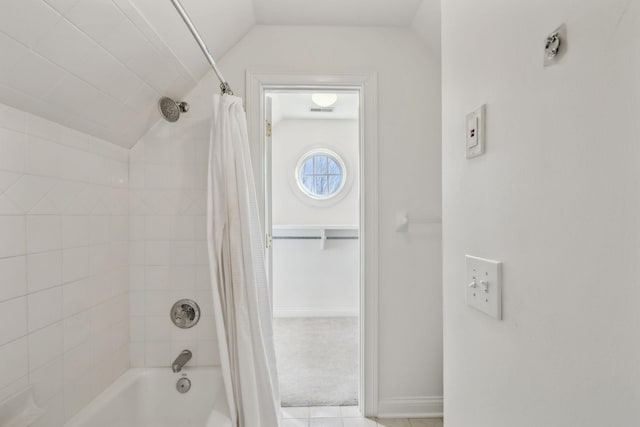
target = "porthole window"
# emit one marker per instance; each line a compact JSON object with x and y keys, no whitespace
{"x":321,"y":174}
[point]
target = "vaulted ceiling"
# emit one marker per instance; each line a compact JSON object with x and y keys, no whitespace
{"x":99,"y":66}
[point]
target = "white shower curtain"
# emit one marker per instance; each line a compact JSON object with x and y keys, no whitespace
{"x":241,"y":296}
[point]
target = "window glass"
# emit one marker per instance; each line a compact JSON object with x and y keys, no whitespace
{"x":320,"y":174}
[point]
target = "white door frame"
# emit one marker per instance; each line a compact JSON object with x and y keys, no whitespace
{"x":259,"y":80}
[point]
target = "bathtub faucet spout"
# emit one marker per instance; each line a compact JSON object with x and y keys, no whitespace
{"x":181,"y":360}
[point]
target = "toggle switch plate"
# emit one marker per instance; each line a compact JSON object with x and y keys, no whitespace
{"x":484,"y":285}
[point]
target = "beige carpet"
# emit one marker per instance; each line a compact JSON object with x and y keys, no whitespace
{"x":317,"y":360}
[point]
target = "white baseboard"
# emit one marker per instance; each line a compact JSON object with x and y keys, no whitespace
{"x":315,"y":312}
{"x":411,"y":407}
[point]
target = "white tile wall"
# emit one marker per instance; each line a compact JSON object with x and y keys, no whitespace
{"x":64,"y":253}
{"x":61,"y":56}
{"x":168,"y":253}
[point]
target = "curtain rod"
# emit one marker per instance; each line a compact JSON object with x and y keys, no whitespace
{"x":224,"y":86}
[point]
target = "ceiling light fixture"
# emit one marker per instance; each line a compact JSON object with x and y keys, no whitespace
{"x":323,"y":99}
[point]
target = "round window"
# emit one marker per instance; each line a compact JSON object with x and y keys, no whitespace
{"x":321,"y":174}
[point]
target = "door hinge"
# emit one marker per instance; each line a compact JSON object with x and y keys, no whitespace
{"x":269,"y":241}
{"x":268,"y":130}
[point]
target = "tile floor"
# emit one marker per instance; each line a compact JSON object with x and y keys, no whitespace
{"x":345,"y":416}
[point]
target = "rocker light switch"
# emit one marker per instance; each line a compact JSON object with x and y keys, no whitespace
{"x":475,"y":138}
{"x":484,"y":286}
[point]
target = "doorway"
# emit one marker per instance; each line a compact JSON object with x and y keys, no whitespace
{"x":312,"y":216}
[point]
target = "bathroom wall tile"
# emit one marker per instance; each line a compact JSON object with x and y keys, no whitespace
{"x":159,"y":227}
{"x":208,"y":353}
{"x":203,"y":277}
{"x":10,"y":389}
{"x":13,"y":277}
{"x":137,"y":328}
{"x":136,"y":354}
{"x":157,"y":253}
{"x":28,"y":191}
{"x":78,"y":296}
{"x":30,"y":31}
{"x":202,"y":253}
{"x":183,"y":253}
{"x":136,"y":277}
{"x":12,"y":118}
{"x":185,"y":227}
{"x":182,"y":277}
{"x":12,"y":150}
{"x":100,"y":228}
{"x":157,"y":328}
{"x":158,"y":302}
{"x":75,"y":264}
{"x":201,"y":226}
{"x":157,"y":353}
{"x":136,"y":227}
{"x":157,"y":175}
{"x":53,"y":412}
{"x":77,"y":361}
{"x":44,"y":233}
{"x":74,"y":193}
{"x":12,"y":319}
{"x":43,"y":157}
{"x":179,"y":334}
{"x":47,"y":380}
{"x":44,"y":270}
{"x":136,"y":253}
{"x":119,"y":231}
{"x":76,"y":231}
{"x":13,"y":232}
{"x":206,"y":328}
{"x":80,"y":392}
{"x":77,"y":329}
{"x":205,"y":300}
{"x":100,"y":259}
{"x":156,"y":278}
{"x":15,"y":358}
{"x":45,"y":345}
{"x":45,"y":308}
{"x":120,"y":362}
{"x":137,"y":303}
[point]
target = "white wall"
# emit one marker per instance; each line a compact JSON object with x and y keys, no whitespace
{"x":313,"y":282}
{"x":308,"y":280}
{"x":292,"y":139}
{"x":556,"y":198}
{"x":410,"y":341}
{"x":169,"y":262}
{"x":63,"y":263}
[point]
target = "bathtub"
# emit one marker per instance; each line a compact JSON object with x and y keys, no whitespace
{"x":148,"y":398}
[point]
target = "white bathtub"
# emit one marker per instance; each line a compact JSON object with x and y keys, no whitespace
{"x":148,"y":398}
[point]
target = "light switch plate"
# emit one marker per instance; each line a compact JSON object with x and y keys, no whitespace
{"x":484,"y":285}
{"x":475,"y":136}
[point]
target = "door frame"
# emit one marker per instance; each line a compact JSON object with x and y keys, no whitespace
{"x":366,"y":83}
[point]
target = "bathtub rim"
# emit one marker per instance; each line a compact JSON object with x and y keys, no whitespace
{"x":220,"y":406}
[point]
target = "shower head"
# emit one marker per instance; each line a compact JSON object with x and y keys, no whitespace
{"x":171,"y":109}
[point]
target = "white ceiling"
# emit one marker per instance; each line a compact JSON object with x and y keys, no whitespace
{"x":297,"y":105}
{"x":336,"y":12}
{"x":99,"y":66}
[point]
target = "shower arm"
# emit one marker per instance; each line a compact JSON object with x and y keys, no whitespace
{"x":224,"y":86}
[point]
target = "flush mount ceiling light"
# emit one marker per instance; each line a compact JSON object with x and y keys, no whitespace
{"x":322,"y":99}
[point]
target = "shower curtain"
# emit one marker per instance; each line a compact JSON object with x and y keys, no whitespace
{"x":241,"y":296}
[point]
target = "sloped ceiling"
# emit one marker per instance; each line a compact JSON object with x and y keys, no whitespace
{"x":336,"y":12}
{"x":99,"y":66}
